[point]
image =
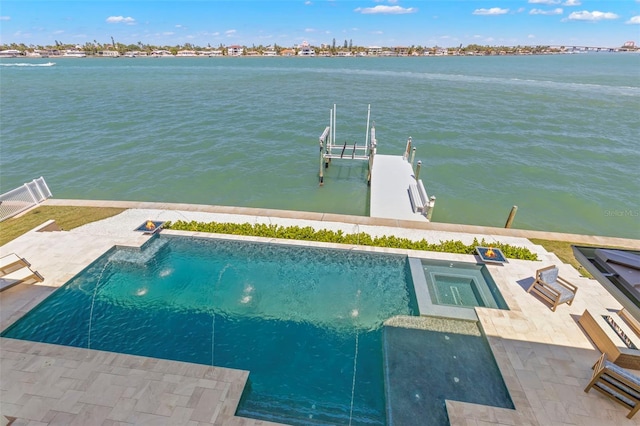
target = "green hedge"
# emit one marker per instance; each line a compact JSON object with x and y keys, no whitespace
{"x":307,"y":233}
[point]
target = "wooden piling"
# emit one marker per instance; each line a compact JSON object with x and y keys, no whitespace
{"x":418,"y":169}
{"x":512,"y":215}
{"x":432,"y":203}
{"x":407,"y":150}
{"x":321,"y":169}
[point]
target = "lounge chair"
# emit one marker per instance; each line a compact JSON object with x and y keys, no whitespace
{"x":616,"y":383}
{"x":552,"y":288}
{"x":11,"y":262}
{"x":23,"y":275}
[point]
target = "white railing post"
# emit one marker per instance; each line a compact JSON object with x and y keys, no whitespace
{"x":31,"y":194}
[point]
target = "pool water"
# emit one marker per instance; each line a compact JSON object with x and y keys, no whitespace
{"x":457,"y":364}
{"x":462,"y":284}
{"x":306,"y":322}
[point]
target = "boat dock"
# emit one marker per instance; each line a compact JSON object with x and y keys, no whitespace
{"x":396,"y":190}
{"x":392,"y":177}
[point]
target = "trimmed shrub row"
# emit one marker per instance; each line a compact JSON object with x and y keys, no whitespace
{"x":307,"y":233}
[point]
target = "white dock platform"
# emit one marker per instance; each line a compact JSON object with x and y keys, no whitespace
{"x":390,"y":179}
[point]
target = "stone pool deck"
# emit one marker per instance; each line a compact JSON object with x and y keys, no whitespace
{"x":545,"y":357}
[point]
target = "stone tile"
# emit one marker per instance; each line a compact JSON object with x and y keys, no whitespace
{"x":91,"y":415}
{"x":207,"y":406}
{"x":35,"y":408}
{"x":59,"y":418}
{"x":122,"y":410}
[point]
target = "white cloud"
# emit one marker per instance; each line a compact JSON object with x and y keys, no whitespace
{"x":230,"y":32}
{"x":307,"y":2}
{"x":531,"y":36}
{"x":549,"y":2}
{"x":120,"y":20}
{"x":572,"y":3}
{"x":168,"y":33}
{"x":492,"y":11}
{"x":57,"y":32}
{"x":591,"y":16}
{"x":634,"y":20}
{"x":556,"y":11}
{"x":5,"y":18}
{"x":310,"y":30}
{"x":386,"y":10}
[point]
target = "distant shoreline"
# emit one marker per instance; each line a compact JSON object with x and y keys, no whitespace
{"x":315,"y":56}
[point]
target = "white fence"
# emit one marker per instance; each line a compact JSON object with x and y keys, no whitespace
{"x":22,"y":198}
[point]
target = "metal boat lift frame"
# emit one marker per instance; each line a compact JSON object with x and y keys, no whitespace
{"x":330,"y":150}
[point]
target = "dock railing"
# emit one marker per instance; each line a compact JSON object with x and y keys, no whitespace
{"x":23,"y":198}
{"x":420,"y":201}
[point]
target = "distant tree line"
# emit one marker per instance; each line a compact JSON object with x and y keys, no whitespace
{"x":93,"y":47}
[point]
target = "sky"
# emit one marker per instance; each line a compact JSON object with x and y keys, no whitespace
{"x":287,"y":23}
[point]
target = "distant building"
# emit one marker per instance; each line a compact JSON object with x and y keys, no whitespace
{"x":189,"y":53}
{"x":161,"y":54}
{"x":10,"y":53}
{"x":401,"y":50}
{"x":235,"y":50}
{"x":109,"y":54}
{"x":374,"y":50}
{"x":629,"y":44}
{"x":306,"y":50}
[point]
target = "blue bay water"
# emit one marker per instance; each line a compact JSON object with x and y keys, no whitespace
{"x":555,"y":135}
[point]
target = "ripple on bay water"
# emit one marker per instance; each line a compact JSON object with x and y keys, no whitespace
{"x":244,"y":132}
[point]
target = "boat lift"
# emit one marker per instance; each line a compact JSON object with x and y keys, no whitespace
{"x":330,"y":150}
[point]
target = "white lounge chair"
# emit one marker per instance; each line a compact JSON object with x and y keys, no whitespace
{"x":11,"y":262}
{"x":23,"y":275}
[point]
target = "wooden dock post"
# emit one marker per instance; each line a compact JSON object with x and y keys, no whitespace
{"x":418,"y":169}
{"x":407,"y":149}
{"x":321,"y":167}
{"x":413,"y":155}
{"x":512,"y":215}
{"x":432,"y":203}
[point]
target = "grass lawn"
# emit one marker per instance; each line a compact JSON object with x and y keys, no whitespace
{"x":66,"y":217}
{"x":563,"y":250}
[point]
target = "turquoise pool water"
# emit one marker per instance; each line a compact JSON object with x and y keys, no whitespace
{"x":306,"y":323}
{"x":462,"y":284}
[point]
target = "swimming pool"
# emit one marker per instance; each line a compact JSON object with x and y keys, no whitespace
{"x":306,"y":322}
